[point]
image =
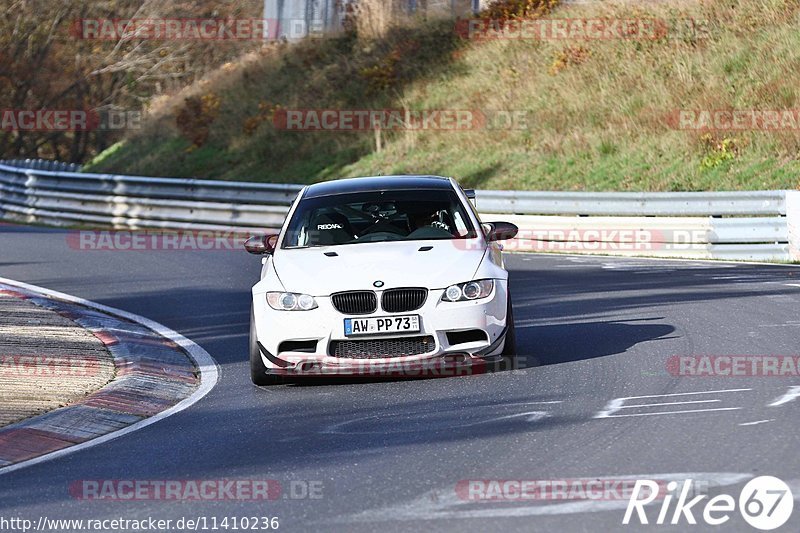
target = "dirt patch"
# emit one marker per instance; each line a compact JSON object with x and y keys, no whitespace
{"x":46,"y":360}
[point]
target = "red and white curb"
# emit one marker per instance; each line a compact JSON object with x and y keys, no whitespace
{"x":158,"y":373}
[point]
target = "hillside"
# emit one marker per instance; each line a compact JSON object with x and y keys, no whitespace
{"x":599,"y":114}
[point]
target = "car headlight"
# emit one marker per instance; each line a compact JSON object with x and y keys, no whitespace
{"x":471,"y":290}
{"x":291,"y":301}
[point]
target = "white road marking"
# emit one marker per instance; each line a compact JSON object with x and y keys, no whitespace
{"x":788,"y":396}
{"x":686,"y":393}
{"x":618,"y":404}
{"x":549,"y":402}
{"x":340,"y":428}
{"x":760,"y":277}
{"x":529,"y":416}
{"x":638,"y":268}
{"x":676,"y":412}
{"x":792,"y":284}
{"x":667,"y":403}
{"x":207,"y":366}
{"x":757,"y":422}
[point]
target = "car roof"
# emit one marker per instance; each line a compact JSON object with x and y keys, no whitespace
{"x":376,"y":183}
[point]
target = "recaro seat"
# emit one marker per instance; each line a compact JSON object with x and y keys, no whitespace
{"x":329,"y":228}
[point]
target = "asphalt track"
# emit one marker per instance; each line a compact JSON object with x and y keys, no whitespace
{"x":389,"y":454}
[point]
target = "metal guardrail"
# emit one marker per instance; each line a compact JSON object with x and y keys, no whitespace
{"x":741,"y":225}
{"x":752,"y":238}
{"x":136,"y":202}
{"x":719,"y":225}
{"x":749,"y":203}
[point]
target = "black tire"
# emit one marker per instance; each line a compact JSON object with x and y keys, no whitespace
{"x":259,"y":374}
{"x":509,"y":352}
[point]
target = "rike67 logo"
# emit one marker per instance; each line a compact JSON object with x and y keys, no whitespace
{"x":765,"y":503}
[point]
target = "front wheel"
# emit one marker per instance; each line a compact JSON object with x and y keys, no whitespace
{"x":509,"y":352}
{"x":259,"y":373}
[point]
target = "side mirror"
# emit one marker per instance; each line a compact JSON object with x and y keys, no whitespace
{"x":500,"y":231}
{"x":261,"y":244}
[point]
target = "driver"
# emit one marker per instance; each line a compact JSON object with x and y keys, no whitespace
{"x":426,"y":218}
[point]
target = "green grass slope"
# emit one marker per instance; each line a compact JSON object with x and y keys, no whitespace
{"x":599,"y":113}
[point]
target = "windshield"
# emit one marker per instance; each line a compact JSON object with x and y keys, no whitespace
{"x":395,"y":215}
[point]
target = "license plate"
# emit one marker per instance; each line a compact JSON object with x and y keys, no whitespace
{"x":384,"y":324}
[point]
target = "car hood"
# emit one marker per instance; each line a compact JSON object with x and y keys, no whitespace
{"x":358,"y":266}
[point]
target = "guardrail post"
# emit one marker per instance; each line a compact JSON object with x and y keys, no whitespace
{"x":793,"y":222}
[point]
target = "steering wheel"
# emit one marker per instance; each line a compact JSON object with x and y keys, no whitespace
{"x":385,"y":228}
{"x":378,"y":236}
{"x":381,"y":224}
{"x":441,"y":221}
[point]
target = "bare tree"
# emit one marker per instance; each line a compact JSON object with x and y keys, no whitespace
{"x":45,"y":64}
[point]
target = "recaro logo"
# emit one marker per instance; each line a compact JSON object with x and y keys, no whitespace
{"x":329,"y":226}
{"x":765,"y":503}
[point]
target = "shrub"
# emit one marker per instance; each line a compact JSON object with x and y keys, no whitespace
{"x":194,"y":119}
{"x":719,"y":152}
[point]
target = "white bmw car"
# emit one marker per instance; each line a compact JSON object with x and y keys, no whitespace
{"x":381,"y":272}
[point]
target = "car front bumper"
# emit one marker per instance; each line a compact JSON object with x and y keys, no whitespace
{"x":440,"y":321}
